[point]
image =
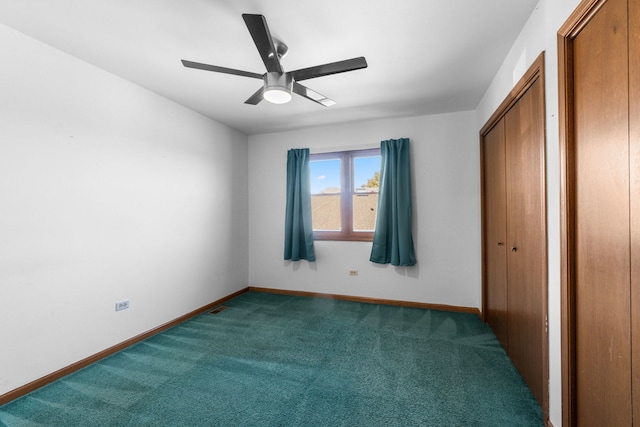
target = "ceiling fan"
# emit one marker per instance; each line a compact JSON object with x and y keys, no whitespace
{"x":278,"y":84}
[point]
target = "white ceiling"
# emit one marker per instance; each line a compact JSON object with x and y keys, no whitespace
{"x":424,"y":56}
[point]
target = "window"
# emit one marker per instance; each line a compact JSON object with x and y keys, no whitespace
{"x":344,"y":194}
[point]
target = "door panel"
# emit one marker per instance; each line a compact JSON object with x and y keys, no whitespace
{"x":602,"y":259}
{"x":526,"y":241}
{"x":514,"y":213}
{"x":494,"y":206}
{"x":634,"y":148}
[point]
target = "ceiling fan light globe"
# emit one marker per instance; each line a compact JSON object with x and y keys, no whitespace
{"x":277,"y":95}
{"x":277,"y":88}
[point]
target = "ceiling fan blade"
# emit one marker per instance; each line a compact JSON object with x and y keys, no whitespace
{"x":255,"y":98}
{"x":207,"y":67}
{"x":259,"y":30}
{"x":328,"y":69}
{"x":312,"y":95}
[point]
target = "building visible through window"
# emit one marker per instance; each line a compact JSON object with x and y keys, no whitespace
{"x":344,"y":194}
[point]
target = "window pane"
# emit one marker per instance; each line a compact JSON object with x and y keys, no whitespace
{"x":325,"y":199}
{"x":365,"y":207}
{"x":366,"y":172}
{"x":325,"y":212}
{"x":325,"y":176}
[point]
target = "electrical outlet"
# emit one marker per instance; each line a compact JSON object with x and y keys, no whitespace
{"x":122,"y":305}
{"x":353,"y":272}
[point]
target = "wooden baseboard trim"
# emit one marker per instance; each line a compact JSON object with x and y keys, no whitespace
{"x":367,"y":300}
{"x":40,"y":382}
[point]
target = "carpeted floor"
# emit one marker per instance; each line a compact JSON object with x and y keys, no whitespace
{"x":275,"y":360}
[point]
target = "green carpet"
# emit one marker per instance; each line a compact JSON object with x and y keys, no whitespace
{"x":275,"y":360}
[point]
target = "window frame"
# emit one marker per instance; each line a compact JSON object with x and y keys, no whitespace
{"x":346,"y":197}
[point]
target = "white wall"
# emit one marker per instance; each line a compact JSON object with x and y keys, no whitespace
{"x":108,"y":192}
{"x":446,"y":229}
{"x":540,"y":34}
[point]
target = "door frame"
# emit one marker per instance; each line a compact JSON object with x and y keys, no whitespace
{"x":583,"y":14}
{"x":533,"y":74}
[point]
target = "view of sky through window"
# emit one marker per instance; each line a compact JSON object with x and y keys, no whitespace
{"x":365,"y":168}
{"x":326,"y":173}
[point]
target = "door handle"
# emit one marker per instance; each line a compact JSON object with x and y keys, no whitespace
{"x":514,"y":249}
{"x":500,"y":244}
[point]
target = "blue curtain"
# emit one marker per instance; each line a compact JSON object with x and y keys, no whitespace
{"x":392,"y":239}
{"x":298,"y":229}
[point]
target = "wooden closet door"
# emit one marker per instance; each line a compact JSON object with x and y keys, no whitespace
{"x":526,"y":241}
{"x":602,"y":256}
{"x":634,"y":149}
{"x":495,"y":228}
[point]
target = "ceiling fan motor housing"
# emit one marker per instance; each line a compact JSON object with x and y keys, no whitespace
{"x":281,"y":48}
